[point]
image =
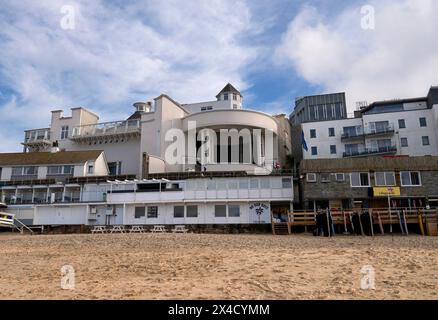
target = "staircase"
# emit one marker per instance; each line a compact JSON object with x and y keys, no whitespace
{"x":20,"y":226}
{"x":280,"y":229}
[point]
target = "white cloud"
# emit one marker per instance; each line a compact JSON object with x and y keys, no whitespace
{"x":116,"y":55}
{"x":398,"y":59}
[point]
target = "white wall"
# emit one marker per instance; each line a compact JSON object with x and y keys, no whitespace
{"x":60,"y":215}
{"x":323,"y":141}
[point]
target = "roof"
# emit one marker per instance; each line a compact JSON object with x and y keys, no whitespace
{"x":229,"y":88}
{"x":369,"y":164}
{"x":48,"y":158}
{"x":136,"y":115}
{"x":393,"y":101}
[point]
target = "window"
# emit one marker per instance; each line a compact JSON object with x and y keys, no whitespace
{"x":225,"y":96}
{"x":232,"y":185}
{"x":265,"y":184}
{"x":90,"y":169}
{"x":340,"y":177}
{"x":24,"y":171}
{"x":234,"y":96}
{"x":64,"y":132}
{"x":114,"y":168}
{"x":220,"y":211}
{"x":234,"y":106}
{"x":404,"y":142}
{"x":221,"y":184}
{"x":243,"y":184}
{"x":209,"y":108}
{"x":314,"y":151}
{"x":401,"y":124}
{"x":178,"y":211}
{"x":325,"y":177}
{"x":57,"y":170}
{"x":254,"y":184}
{"x":331,"y":132}
{"x":192,"y":211}
{"x":153,"y":212}
{"x":203,"y":108}
{"x":312,"y":133}
{"x":333,"y":149}
{"x":311,"y":177}
{"x":425,"y":140}
{"x":409,"y":179}
{"x":384,"y":178}
{"x":211,"y":184}
{"x":286,"y":183}
{"x":139,"y":212}
{"x":423,"y":122}
{"x":234,"y":211}
{"x":360,"y":179}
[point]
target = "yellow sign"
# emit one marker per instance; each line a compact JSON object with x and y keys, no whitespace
{"x":386,"y":191}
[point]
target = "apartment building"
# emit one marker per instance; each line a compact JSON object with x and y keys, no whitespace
{"x":406,"y":127}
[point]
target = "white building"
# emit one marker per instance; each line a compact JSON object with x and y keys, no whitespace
{"x":138,"y":144}
{"x":407,"y":127}
{"x":128,"y":181}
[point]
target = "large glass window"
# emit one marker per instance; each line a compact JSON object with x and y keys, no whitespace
{"x":220,"y":211}
{"x":384,"y":178}
{"x":254,"y":183}
{"x":360,"y":179}
{"x":232,"y":184}
{"x":243,"y":184}
{"x":265,"y":183}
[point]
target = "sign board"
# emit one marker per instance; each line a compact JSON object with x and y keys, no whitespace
{"x":386,"y":191}
{"x":259,"y":212}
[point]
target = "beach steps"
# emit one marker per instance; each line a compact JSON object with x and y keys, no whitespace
{"x":280,"y":229}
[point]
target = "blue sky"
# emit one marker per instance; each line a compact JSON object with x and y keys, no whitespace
{"x":120,"y":52}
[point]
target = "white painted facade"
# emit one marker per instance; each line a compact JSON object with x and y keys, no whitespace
{"x":408,"y":137}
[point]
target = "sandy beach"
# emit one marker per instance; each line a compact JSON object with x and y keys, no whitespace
{"x":202,"y":266}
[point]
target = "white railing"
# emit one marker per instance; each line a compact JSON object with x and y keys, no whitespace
{"x":107,"y":128}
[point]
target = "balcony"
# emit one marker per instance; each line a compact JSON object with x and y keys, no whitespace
{"x":379,"y":130}
{"x":371,"y":151}
{"x":110,"y":131}
{"x":353,"y":134}
{"x":37,"y":138}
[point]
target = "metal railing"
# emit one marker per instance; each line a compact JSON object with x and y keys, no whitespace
{"x":370,"y":151}
{"x":372,"y":130}
{"x":106,"y":128}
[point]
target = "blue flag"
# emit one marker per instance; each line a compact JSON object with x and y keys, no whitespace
{"x":303,"y":141}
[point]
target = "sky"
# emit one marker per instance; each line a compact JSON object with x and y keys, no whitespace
{"x":110,"y":54}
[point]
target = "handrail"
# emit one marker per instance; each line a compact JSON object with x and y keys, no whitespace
{"x":22,"y":226}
